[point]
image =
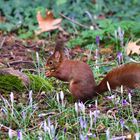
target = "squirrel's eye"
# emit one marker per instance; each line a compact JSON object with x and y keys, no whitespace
{"x":50,"y":62}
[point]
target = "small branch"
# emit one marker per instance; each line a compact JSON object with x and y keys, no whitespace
{"x":31,"y":70}
{"x":19,"y":61}
{"x":1,"y":45}
{"x":73,"y":21}
{"x":14,"y":133}
{"x":119,"y":138}
{"x":137,"y":41}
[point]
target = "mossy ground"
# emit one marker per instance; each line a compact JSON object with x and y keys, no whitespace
{"x":10,"y":83}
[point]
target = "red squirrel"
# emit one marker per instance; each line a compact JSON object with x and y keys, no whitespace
{"x":81,"y":80}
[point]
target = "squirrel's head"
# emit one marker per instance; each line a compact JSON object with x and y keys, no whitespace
{"x":54,"y":60}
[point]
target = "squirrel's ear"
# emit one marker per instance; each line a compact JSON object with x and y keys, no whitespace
{"x":57,"y":55}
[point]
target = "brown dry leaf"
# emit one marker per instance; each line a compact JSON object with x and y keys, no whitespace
{"x":106,"y":51}
{"x":48,"y":23}
{"x":2,"y":19}
{"x":100,"y":127}
{"x":133,"y":48}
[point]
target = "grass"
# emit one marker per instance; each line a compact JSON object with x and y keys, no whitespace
{"x":43,"y":114}
{"x":51,"y":116}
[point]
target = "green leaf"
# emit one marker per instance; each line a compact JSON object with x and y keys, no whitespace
{"x":60,"y":2}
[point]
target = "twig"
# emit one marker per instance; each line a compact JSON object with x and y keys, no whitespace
{"x":19,"y":61}
{"x":1,"y":45}
{"x":119,"y":138}
{"x":7,"y":128}
{"x":37,"y":126}
{"x":73,"y":21}
{"x":31,"y":70}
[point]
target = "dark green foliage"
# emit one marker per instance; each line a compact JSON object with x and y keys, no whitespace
{"x":106,"y":31}
{"x":21,"y":15}
{"x":124,"y":10}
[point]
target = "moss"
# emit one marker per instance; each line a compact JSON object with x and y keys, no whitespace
{"x":10,"y":83}
{"x":38,"y":83}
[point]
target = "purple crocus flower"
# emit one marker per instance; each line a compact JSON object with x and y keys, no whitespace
{"x":12,"y":97}
{"x":10,"y":133}
{"x":86,"y":138}
{"x":124,"y":103}
{"x":122,"y":122}
{"x":121,"y":35}
{"x":81,"y":107}
{"x":12,"y":102}
{"x":76,"y":107}
{"x":23,"y":115}
{"x":30,"y":98}
{"x":111,"y":97}
{"x":19,"y":135}
{"x":65,"y":130}
{"x":135,"y":121}
{"x":82,"y":137}
{"x":129,"y":97}
{"x":137,"y":135}
{"x":108,"y":134}
{"x":120,"y":57}
{"x":45,"y":126}
{"x":94,"y":135}
{"x":83,"y":123}
{"x":97,"y":40}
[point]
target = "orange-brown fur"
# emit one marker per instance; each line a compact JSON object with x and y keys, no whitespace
{"x":81,"y":79}
{"x":127,"y":75}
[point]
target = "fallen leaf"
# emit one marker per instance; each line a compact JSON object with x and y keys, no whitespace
{"x":106,"y":51}
{"x":133,"y":48}
{"x":48,"y":23}
{"x":100,"y":127}
{"x":2,"y":19}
